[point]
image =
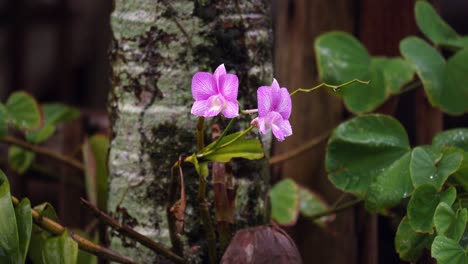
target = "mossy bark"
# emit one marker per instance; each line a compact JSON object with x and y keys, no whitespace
{"x":157,"y":47}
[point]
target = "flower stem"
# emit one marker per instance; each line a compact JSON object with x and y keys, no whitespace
{"x":226,"y":130}
{"x":334,"y":87}
{"x":84,"y":244}
{"x":201,"y":155}
{"x":128,"y":232}
{"x":177,"y":245}
{"x":202,"y":203}
{"x":43,"y":151}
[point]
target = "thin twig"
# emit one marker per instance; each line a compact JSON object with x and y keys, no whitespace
{"x":129,"y":232}
{"x":334,"y":87}
{"x":177,"y":245}
{"x":43,"y":151}
{"x":84,"y":244}
{"x":335,"y":210}
{"x":296,"y":152}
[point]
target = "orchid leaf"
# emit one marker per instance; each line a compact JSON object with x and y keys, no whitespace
{"x":60,"y":250}
{"x":241,"y":148}
{"x":284,"y":197}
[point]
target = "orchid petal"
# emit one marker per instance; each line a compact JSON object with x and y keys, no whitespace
{"x":284,"y":104}
{"x":261,"y":125}
{"x":203,"y":86}
{"x":264,"y":100}
{"x":199,"y":107}
{"x":229,"y":86}
{"x":231,"y":109}
{"x":220,"y":71}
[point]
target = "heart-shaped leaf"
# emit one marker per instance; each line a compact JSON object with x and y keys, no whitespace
{"x":456,"y":138}
{"x":432,"y":165}
{"x":367,"y":150}
{"x":422,"y":206}
{"x":24,"y":111}
{"x":410,"y":244}
{"x":284,"y":197}
{"x":448,"y":251}
{"x":449,"y":223}
{"x":342,"y":58}
{"x":444,"y":82}
{"x":436,"y":29}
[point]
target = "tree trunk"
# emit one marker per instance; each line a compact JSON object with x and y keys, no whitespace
{"x":158,"y":46}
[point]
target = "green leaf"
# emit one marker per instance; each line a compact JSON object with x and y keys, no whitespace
{"x":3,"y":121}
{"x":431,"y":24}
{"x":422,"y":206}
{"x":39,"y":236}
{"x":454,"y":93}
{"x":250,"y":149}
{"x":42,"y":134}
{"x":47,"y":210}
{"x":362,"y":149}
{"x":448,"y":251}
{"x":433,"y":166}
{"x":20,"y":159}
{"x":24,"y":111}
{"x":390,"y":186}
{"x":53,"y":115}
{"x":83,"y":256}
{"x":200,"y":168}
{"x":443,"y":82}
{"x":95,"y":160}
{"x":410,"y":244}
{"x":397,"y":73}
{"x":24,"y":223}
{"x":456,"y":138}
{"x":9,"y":240}
{"x":312,"y":204}
{"x":428,"y":63}
{"x":342,"y":58}
{"x":284,"y":197}
{"x":449,"y":223}
{"x":60,"y":250}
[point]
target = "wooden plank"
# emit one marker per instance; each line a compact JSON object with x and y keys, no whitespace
{"x":297,"y":24}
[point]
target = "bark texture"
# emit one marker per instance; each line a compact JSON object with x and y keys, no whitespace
{"x":158,"y":46}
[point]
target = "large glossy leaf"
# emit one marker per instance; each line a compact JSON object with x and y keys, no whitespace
{"x":24,"y":224}
{"x":242,"y":148}
{"x":448,"y":251}
{"x":95,"y":159}
{"x":410,"y":244}
{"x":3,"y":121}
{"x":443,"y":82}
{"x":20,"y":159}
{"x":9,"y":240}
{"x":368,"y":148}
{"x":284,"y":197}
{"x":456,"y":138}
{"x":422,"y":206}
{"x":60,"y":250}
{"x":24,"y":111}
{"x":341,"y":58}
{"x":312,"y":204}
{"x":450,"y":223}
{"x":433,"y":166}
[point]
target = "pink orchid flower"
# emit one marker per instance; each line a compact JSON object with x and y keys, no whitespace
{"x":274,"y":110}
{"x":215,"y":93}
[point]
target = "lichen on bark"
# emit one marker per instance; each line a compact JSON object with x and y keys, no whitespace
{"x":157,"y":47}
